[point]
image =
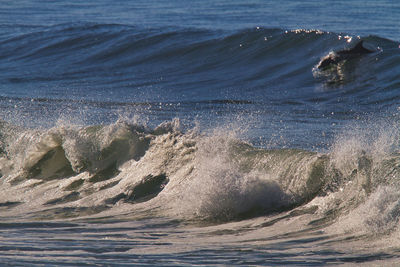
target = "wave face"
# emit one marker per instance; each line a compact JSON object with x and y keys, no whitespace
{"x":235,"y":131}
{"x":78,"y":72}
{"x":188,"y":63}
{"x":64,"y":135}
{"x":123,"y":167}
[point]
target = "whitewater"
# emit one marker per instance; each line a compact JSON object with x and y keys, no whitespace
{"x":168,"y":134}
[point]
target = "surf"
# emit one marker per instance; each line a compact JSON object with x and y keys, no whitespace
{"x":125,"y":169}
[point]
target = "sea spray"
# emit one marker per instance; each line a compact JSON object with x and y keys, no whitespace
{"x":364,"y":181}
{"x":192,"y":175}
{"x":220,"y":191}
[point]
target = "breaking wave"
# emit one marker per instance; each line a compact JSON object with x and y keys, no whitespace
{"x":125,"y":168}
{"x":56,"y":163}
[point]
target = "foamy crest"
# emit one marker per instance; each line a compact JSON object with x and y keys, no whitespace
{"x":220,"y":190}
{"x":363,"y":150}
{"x":366,"y":163}
{"x":381,"y":211}
{"x":97,"y":147}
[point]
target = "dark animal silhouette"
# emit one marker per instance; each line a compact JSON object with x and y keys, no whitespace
{"x":339,"y":56}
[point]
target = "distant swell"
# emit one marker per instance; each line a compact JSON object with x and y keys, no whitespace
{"x":191,"y":60}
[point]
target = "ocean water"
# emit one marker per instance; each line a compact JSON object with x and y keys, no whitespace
{"x":181,"y":133}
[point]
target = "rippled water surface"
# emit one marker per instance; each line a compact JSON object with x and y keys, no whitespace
{"x":202,"y":133}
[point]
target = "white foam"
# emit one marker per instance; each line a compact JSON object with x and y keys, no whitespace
{"x":219,"y":190}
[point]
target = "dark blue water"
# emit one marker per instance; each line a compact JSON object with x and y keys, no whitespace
{"x":163,"y":116}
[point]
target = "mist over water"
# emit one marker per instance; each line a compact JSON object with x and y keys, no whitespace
{"x":173,"y":134}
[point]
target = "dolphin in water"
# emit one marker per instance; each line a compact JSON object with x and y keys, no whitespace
{"x":335,"y":58}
